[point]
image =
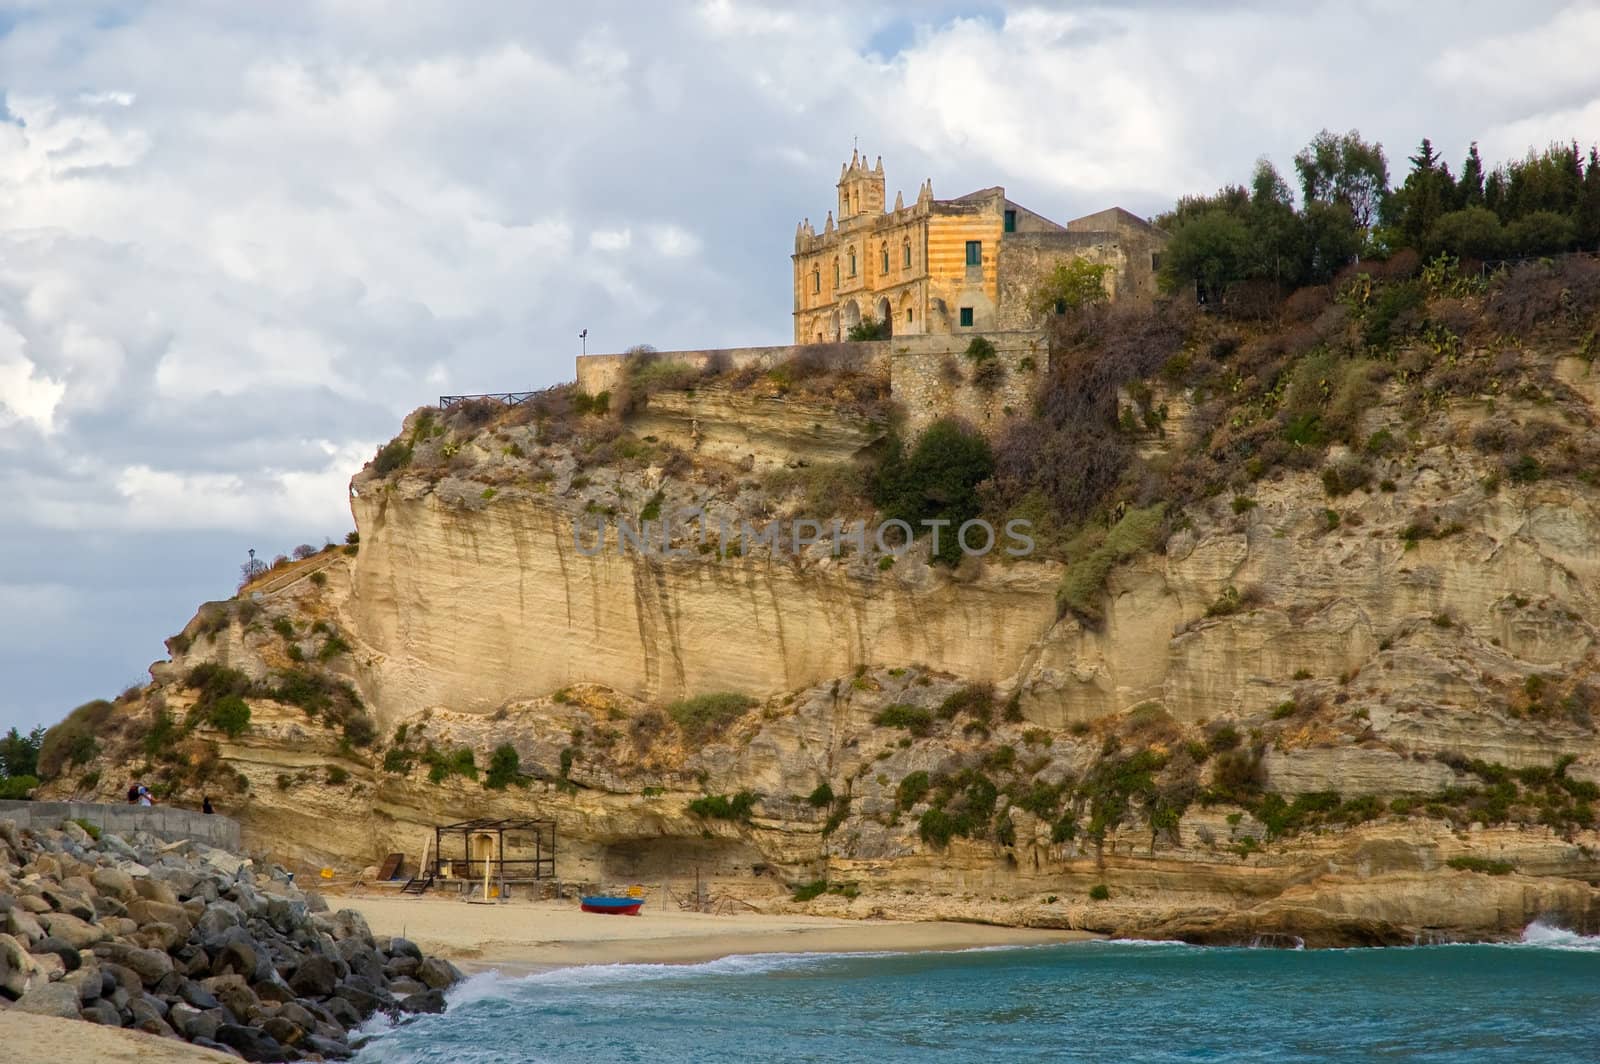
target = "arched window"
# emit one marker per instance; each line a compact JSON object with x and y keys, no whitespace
{"x":885,"y":253}
{"x":816,"y":280}
{"x":836,"y":273}
{"x":905,"y":254}
{"x":852,"y":262}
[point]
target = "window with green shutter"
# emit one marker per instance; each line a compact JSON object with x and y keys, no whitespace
{"x":974,"y":253}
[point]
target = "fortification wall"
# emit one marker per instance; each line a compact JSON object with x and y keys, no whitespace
{"x":929,"y":374}
{"x":601,"y":373}
{"x":159,"y":820}
{"x":931,"y":377}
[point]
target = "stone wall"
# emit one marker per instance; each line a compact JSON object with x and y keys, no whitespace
{"x":1026,"y":259}
{"x":161,"y":821}
{"x":602,"y":373}
{"x":931,"y":377}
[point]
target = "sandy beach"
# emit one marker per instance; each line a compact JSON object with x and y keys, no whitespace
{"x":533,"y":935}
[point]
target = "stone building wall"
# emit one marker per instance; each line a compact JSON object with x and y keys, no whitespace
{"x":1026,"y":259}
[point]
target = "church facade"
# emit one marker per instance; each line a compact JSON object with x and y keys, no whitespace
{"x":954,"y":266}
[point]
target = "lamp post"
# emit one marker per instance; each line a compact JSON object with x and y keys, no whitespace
{"x":584,"y":338}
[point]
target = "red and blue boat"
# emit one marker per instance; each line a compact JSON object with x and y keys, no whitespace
{"x":599,"y":903}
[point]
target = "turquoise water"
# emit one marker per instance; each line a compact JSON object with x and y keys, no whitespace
{"x":1538,"y":1000}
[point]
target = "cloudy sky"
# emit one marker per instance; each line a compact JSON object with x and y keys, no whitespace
{"x":239,"y":241}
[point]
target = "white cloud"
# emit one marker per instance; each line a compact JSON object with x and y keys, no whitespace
{"x":24,"y":394}
{"x":674,"y":241}
{"x":611,"y":239}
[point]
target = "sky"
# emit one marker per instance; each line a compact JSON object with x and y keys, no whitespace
{"x":240,"y":241}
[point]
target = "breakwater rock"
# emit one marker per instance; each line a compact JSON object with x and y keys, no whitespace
{"x":187,"y":941}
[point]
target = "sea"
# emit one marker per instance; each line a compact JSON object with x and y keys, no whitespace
{"x":1537,"y":1000}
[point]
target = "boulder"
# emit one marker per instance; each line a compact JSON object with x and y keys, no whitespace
{"x":198,"y":996}
{"x":148,"y":964}
{"x":235,"y":995}
{"x":404,"y":947}
{"x":17,"y":970}
{"x":327,"y":1048}
{"x":102,"y":1012}
{"x":79,"y":932}
{"x":438,"y":973}
{"x":65,"y":901}
{"x":238,"y":955}
{"x":51,"y":999}
{"x":71,"y":959}
{"x":48,"y":965}
{"x":146,"y":1016}
{"x":315,"y":977}
{"x":33,"y":903}
{"x":88,"y":981}
{"x":286,"y":1031}
{"x":23,"y":925}
{"x":145,"y":911}
{"x":250,"y":1043}
{"x":159,"y":936}
{"x":299,"y":1015}
{"x":153,"y":889}
{"x":344,"y":1014}
{"x":426,"y":1001}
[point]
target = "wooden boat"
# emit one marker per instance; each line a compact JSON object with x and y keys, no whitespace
{"x":599,"y":903}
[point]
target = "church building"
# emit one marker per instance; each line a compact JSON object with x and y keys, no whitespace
{"x":969,"y":264}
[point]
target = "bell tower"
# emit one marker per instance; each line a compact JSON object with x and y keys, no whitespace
{"x":860,"y":187}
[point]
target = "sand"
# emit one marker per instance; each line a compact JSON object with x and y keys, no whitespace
{"x":521,"y":936}
{"x":43,"y":1039}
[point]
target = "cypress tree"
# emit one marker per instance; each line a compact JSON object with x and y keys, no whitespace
{"x":1469,"y":189}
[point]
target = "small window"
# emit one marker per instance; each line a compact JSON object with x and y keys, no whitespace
{"x":1061,"y":306}
{"x":974,"y":253}
{"x":816,"y":280}
{"x":1155,"y":262}
{"x":966,"y":314}
{"x":1011,"y":221}
{"x":852,"y":262}
{"x":886,"y":258}
{"x":836,"y":273}
{"x":905,"y":255}
{"x":908,"y":315}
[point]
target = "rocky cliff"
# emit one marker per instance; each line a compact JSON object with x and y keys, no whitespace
{"x":1334,"y":684}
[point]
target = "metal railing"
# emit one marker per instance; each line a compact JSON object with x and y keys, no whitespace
{"x":507,"y":398}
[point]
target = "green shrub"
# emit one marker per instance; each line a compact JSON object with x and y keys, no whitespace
{"x":230,"y":715}
{"x":807,"y":891}
{"x":16,"y":788}
{"x":396,"y":454}
{"x":822,"y":797}
{"x":398,"y":760}
{"x":337,"y":776}
{"x":912,"y":789}
{"x":704,"y":717}
{"x":1083,"y":584}
{"x":332,"y":647}
{"x":505,"y":767}
{"x":915,"y":719}
{"x":1065,"y":829}
{"x":1099,"y":892}
{"x":92,"y":830}
{"x":974,"y":700}
{"x":284,"y":627}
{"x":722,"y":807}
{"x":938,"y":480}
{"x":980,"y":350}
{"x":72,"y":741}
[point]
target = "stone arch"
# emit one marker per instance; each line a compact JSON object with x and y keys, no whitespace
{"x":850,"y":315}
{"x":852,"y":261}
{"x":886,"y":314}
{"x":836,"y":271}
{"x":833,"y":327}
{"x":905,"y":255}
{"x":883,"y":251}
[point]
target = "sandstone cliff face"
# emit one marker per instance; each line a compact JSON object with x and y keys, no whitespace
{"x":1409,"y":647}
